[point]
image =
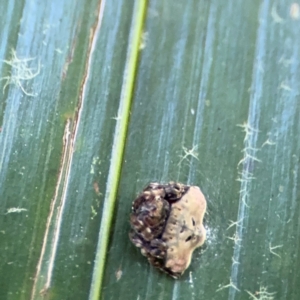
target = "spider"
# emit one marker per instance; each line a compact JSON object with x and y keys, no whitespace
{"x":167,"y":225}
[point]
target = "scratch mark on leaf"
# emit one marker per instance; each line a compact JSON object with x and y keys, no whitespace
{"x":15,"y":210}
{"x":232,"y":223}
{"x":274,"y":247}
{"x":71,"y":53}
{"x":54,"y":205}
{"x":94,"y":213}
{"x":230,"y":285}
{"x":275,"y":15}
{"x":262,"y":294}
{"x":20,"y":72}
{"x":189,"y":152}
{"x":250,"y":128}
{"x":70,"y":136}
{"x":234,"y":238}
{"x":268,"y":142}
{"x":284,"y":86}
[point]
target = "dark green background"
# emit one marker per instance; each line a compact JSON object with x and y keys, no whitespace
{"x":217,"y":82}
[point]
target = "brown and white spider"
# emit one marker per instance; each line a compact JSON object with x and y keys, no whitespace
{"x":167,"y":225}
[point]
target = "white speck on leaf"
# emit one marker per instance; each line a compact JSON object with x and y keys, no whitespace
{"x":143,"y":41}
{"x":295,"y":11}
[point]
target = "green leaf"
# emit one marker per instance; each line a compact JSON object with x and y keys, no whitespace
{"x":102,"y":97}
{"x":216,"y":105}
{"x":56,"y":143}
